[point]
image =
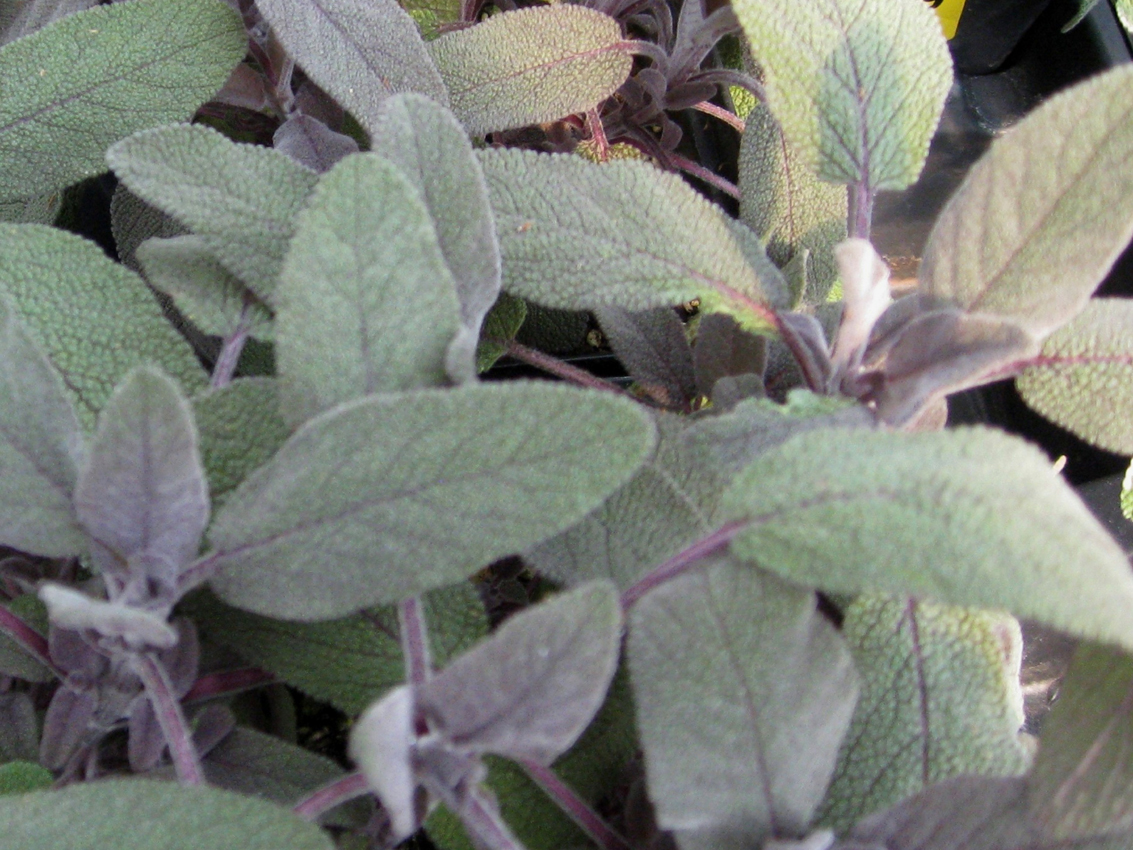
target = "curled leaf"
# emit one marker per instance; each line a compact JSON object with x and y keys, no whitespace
{"x":137,"y":628}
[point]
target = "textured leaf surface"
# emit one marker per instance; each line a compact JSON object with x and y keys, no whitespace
{"x":1084,"y":376}
{"x":501,"y":324}
{"x":427,"y":143}
{"x":1041,"y":217}
{"x":1082,"y":775}
{"x":351,"y":661}
{"x":358,"y":51}
{"x":93,"y":78}
{"x":40,"y":447}
{"x":19,"y":777}
{"x":141,"y":490}
{"x":429,"y":487}
{"x":743,"y":692}
{"x":857,"y":85}
{"x":530,"y":689}
{"x":107,"y":814}
{"x":14,"y":661}
{"x":202,"y":289}
{"x":365,"y":302}
{"x":940,"y":698}
{"x":133,"y":221}
{"x":532,"y":65}
{"x":21,"y":19}
{"x":77,"y":303}
{"x":654,"y":349}
{"x":240,"y":429}
{"x":923,"y":515}
{"x":311,"y":143}
{"x":240,"y":199}
{"x":577,"y":236}
{"x":784,"y":202}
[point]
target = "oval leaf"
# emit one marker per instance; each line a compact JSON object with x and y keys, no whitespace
{"x":142,"y":490}
{"x":968,"y":517}
{"x":76,"y":302}
{"x":358,"y":51}
{"x":1083,"y":379}
{"x":426,"y":488}
{"x":240,"y":199}
{"x":1042,"y":216}
{"x":90,"y":79}
{"x":857,"y":85}
{"x":140,"y":814}
{"x":531,"y":66}
{"x":365,"y":303}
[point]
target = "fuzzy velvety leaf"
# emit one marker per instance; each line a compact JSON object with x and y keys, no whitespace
{"x":140,"y":814}
{"x":425,"y":141}
{"x":926,"y":515}
{"x":669,"y":503}
{"x":531,"y":66}
{"x":311,"y":143}
{"x":75,"y":301}
{"x":428,"y":487}
{"x":359,"y":51}
{"x":351,"y":661}
{"x":858,"y":87}
{"x":201,"y":288}
{"x":93,"y":78}
{"x":577,"y":236}
{"x":940,"y":698}
{"x":784,"y":202}
{"x":40,"y":448}
{"x":501,"y":324}
{"x":133,"y":221}
{"x":240,"y":199}
{"x":19,"y":729}
{"x":1081,"y":779}
{"x":651,"y":344}
{"x":723,"y":349}
{"x":1041,"y":217}
{"x":38,"y":209}
{"x":743,"y":691}
{"x":14,"y":661}
{"x":32,"y":15}
{"x":20,"y":777}
{"x":365,"y":302}
{"x":141,"y":490}
{"x":381,"y":742}
{"x":530,"y":689}
{"x":1083,"y":379}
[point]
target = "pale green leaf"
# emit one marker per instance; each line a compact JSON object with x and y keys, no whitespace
{"x":14,"y":661}
{"x":140,"y":814}
{"x":240,"y":199}
{"x":240,"y":429}
{"x":1083,"y":378}
{"x":1082,"y":775}
{"x":924,"y":515}
{"x":86,"y":81}
{"x":428,"y":487}
{"x":40,"y":448}
{"x":575,"y":235}
{"x":201,"y":288}
{"x":857,"y":85}
{"x":141,"y":489}
{"x":1041,"y":217}
{"x":1124,"y":9}
{"x":425,"y":141}
{"x":940,"y":698}
{"x":20,"y":777}
{"x":532,"y":65}
{"x":38,"y":209}
{"x":365,"y":302}
{"x":743,"y":692}
{"x":94,"y":318}
{"x":789,"y":208}
{"x":351,"y":661}
{"x":358,"y":51}
{"x":501,"y":324}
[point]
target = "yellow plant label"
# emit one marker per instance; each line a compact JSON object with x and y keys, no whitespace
{"x":949,"y":12}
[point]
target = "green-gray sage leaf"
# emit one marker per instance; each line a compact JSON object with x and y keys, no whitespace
{"x":428,"y":487}
{"x":240,"y":199}
{"x":81,"y":83}
{"x":924,"y":515}
{"x":1041,"y":217}
{"x":532,"y":65}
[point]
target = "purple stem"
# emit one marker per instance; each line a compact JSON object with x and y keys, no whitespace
{"x":28,"y":639}
{"x":701,"y":173}
{"x":581,"y":813}
{"x":682,"y":561}
{"x":197,"y":574}
{"x":554,"y":366}
{"x":414,"y":641}
{"x":485,"y":825}
{"x":343,"y":790}
{"x":186,"y":762}
{"x":598,"y":135}
{"x":859,"y":210}
{"x":233,"y":344}
{"x":227,"y":683}
{"x":729,"y":118}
